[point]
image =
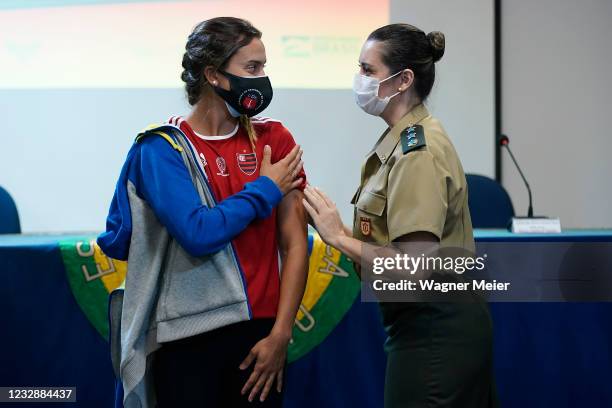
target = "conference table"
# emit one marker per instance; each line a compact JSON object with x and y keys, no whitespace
{"x":54,"y":297}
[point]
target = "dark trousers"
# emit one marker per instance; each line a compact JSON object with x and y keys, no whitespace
{"x":439,"y":355}
{"x":202,"y":370}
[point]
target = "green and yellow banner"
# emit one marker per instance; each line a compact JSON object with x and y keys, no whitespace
{"x":331,"y":289}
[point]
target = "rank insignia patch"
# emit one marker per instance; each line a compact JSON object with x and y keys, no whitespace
{"x":412,"y":138}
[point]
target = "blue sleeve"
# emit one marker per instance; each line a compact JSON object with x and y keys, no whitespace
{"x":115,"y":241}
{"x":163,"y":180}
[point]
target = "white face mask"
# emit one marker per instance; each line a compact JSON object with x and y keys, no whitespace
{"x":365,"y":89}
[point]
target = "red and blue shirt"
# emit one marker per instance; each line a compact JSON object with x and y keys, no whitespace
{"x":230,"y":162}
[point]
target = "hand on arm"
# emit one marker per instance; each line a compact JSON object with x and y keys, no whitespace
{"x":327,"y":221}
{"x":285,"y":171}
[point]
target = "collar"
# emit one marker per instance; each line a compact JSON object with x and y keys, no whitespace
{"x":392,"y":136}
{"x":219,"y":137}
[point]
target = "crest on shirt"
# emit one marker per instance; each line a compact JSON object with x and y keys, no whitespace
{"x":221,"y":166}
{"x":366,"y":226}
{"x":247,"y":162}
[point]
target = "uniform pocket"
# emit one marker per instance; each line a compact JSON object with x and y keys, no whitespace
{"x":372,"y":203}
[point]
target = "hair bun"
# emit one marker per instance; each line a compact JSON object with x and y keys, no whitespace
{"x":436,"y":40}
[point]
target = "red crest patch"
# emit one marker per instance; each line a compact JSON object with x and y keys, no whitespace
{"x":247,"y":162}
{"x":366,"y":226}
{"x":251,"y":100}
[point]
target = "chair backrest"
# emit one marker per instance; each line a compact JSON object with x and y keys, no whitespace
{"x":489,"y":202}
{"x":9,"y":218}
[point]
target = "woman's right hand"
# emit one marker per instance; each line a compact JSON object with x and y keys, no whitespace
{"x":284,"y":171}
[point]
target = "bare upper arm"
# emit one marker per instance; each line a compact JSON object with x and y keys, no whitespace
{"x":291,"y":220}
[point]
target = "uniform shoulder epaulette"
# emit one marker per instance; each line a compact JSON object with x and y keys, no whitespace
{"x":413,"y":138}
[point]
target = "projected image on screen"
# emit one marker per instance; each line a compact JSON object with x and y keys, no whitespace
{"x":137,"y":44}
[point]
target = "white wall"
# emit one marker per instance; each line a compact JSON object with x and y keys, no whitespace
{"x":557,"y":105}
{"x":463,"y":96}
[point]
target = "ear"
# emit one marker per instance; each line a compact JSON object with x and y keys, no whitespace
{"x":407,"y":79}
{"x":211,"y":74}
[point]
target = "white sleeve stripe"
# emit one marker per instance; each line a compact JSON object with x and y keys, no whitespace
{"x":264,"y":120}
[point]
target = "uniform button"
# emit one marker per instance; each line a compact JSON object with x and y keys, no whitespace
{"x":383,"y":157}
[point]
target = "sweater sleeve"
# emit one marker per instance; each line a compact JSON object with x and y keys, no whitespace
{"x":165,"y":183}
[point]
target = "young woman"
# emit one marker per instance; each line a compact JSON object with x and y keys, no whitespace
{"x":413,"y":191}
{"x":203,"y":205}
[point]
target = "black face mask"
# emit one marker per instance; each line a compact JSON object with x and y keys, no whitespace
{"x":247,"y":95}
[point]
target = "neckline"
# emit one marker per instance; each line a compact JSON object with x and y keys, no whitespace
{"x":217,"y":137}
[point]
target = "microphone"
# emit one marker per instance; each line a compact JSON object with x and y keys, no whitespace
{"x":505,"y":142}
{"x":529,"y":224}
